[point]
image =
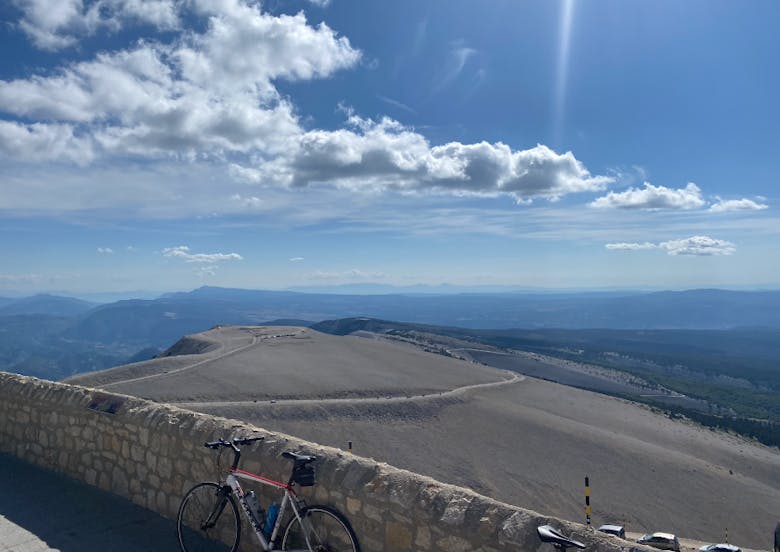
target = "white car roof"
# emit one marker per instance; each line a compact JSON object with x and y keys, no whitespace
{"x":664,"y":536}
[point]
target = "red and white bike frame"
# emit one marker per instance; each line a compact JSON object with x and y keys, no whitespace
{"x":290,"y":500}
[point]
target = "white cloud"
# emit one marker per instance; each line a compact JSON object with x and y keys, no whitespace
{"x":251,"y":202}
{"x":194,"y":99}
{"x":458,"y":56}
{"x":631,"y":246}
{"x":652,"y":197}
{"x":698,"y":245}
{"x":351,"y":275}
{"x":183,"y":252}
{"x":296,"y":259}
{"x":320,"y":3}
{"x":386,"y":155}
{"x":695,"y":245}
{"x":44,"y":142}
{"x":53,"y":25}
{"x":744,"y":204}
{"x":30,"y":279}
{"x":206,"y":271}
{"x":194,"y":96}
{"x":396,"y":103}
{"x":105,"y":250}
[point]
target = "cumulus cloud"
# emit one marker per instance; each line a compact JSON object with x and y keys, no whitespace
{"x":44,"y":142}
{"x":653,"y":198}
{"x":660,"y":197}
{"x":105,"y":250}
{"x":56,"y":25}
{"x":744,"y":204}
{"x":695,"y":245}
{"x":194,"y":96}
{"x":386,"y":155}
{"x":698,"y":245}
{"x":183,"y":252}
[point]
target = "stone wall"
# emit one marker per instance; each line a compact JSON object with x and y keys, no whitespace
{"x":152,"y":454}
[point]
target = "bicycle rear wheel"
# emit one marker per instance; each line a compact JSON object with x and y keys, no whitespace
{"x":324,"y":528}
{"x":208,"y":520}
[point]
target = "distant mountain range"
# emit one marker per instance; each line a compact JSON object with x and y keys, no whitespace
{"x":34,"y":331}
{"x":167,"y":317}
{"x":52,"y":305}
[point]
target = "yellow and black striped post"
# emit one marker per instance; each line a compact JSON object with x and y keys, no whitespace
{"x":349,"y":446}
{"x":587,"y":501}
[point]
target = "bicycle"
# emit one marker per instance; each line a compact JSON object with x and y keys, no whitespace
{"x":209,"y":520}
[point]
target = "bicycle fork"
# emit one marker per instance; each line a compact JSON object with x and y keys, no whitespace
{"x":222,"y":495}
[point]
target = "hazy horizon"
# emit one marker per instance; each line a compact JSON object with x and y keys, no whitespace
{"x":368,"y":289}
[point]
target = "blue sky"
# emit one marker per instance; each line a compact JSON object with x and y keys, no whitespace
{"x":167,"y":144}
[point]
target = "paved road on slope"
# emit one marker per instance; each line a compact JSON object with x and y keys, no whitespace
{"x":232,"y":352}
{"x":513,"y":378}
{"x":43,"y":511}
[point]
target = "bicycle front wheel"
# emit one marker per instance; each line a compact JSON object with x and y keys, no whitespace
{"x":320,"y":529}
{"x":208,"y":520}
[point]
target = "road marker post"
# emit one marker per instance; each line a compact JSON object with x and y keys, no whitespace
{"x":587,"y":501}
{"x":349,"y":446}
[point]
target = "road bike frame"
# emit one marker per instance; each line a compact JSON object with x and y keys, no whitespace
{"x":305,"y":532}
{"x":290,"y":500}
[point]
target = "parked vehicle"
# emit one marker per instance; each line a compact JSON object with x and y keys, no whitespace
{"x":664,"y":541}
{"x":616,"y":530}
{"x":722,"y":547}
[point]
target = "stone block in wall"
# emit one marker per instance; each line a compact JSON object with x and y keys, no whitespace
{"x":398,"y":536}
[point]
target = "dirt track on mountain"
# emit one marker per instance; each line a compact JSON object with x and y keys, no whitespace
{"x":528,"y":442}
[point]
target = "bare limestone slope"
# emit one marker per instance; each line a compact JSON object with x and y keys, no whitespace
{"x":520,"y":440}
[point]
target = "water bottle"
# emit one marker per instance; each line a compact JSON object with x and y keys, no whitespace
{"x":270,"y":519}
{"x":254,"y":507}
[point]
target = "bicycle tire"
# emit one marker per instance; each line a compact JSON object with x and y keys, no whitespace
{"x":328,"y":529}
{"x":204,"y":501}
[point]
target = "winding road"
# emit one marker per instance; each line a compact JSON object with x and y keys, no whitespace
{"x":255,"y":339}
{"x":513,"y":378}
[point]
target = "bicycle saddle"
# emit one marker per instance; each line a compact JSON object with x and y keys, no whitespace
{"x":547,"y":533}
{"x":299,"y":458}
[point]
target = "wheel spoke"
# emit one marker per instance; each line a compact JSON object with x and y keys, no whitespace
{"x":208,"y":520}
{"x":320,"y":529}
